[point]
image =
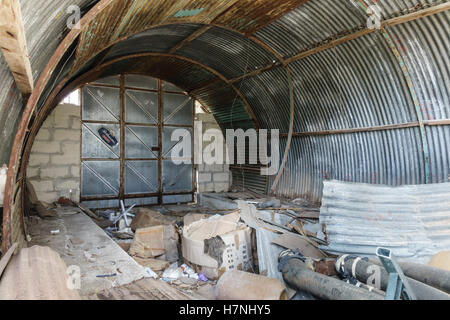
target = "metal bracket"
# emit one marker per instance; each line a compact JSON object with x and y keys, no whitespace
{"x":398,"y":286}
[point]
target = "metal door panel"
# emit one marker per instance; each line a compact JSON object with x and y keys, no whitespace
{"x":93,"y":147}
{"x":114,"y":81}
{"x":141,"y":201}
{"x":101,"y":104}
{"x":167,"y":86}
{"x":96,"y":204}
{"x":100,"y":178}
{"x":138,"y":146}
{"x":140,"y":141}
{"x":143,"y":82}
{"x":168,"y":144}
{"x":183,"y":198}
{"x":141,"y":177}
{"x":177,"y":109}
{"x":176,"y":178}
{"x":141,"y":107}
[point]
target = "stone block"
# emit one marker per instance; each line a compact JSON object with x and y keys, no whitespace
{"x":46,"y":147}
{"x":39,"y":160}
{"x":54,"y":172}
{"x":204,"y":177}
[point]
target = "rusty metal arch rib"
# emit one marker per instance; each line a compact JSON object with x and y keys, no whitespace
{"x":19,"y":140}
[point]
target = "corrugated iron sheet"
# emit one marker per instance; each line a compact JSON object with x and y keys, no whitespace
{"x":413,"y":221}
{"x":356,"y":84}
{"x":36,"y":273}
{"x":228,"y":52}
{"x":250,"y":15}
{"x":158,"y":39}
{"x":359,"y":84}
{"x":44,"y":30}
{"x":310,"y":24}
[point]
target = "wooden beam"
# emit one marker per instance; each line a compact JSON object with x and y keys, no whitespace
{"x":14,"y":45}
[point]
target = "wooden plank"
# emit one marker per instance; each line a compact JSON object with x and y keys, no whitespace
{"x":14,"y":45}
{"x":7,"y":257}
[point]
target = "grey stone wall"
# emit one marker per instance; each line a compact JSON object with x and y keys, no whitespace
{"x":217,"y":177}
{"x":54,"y":167}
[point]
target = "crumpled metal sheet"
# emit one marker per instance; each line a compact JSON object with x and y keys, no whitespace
{"x":36,"y":273}
{"x":413,"y":221}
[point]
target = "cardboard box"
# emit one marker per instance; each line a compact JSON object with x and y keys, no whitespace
{"x":218,"y":244}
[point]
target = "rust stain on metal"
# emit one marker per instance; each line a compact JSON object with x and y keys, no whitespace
{"x":124,"y":18}
{"x":249,"y":16}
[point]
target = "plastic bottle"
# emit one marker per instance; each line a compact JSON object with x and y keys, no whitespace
{"x":186,"y":269}
{"x":3,"y":173}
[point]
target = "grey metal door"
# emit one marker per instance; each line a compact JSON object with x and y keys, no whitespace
{"x":127,"y":124}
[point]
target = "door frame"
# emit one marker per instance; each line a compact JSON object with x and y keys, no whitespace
{"x":123,"y":124}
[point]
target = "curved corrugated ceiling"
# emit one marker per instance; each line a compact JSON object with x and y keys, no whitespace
{"x":363,"y":84}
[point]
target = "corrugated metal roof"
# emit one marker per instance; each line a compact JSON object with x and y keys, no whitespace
{"x":158,"y":39}
{"x":413,"y":221}
{"x":228,"y":52}
{"x":44,"y":28}
{"x":353,"y":85}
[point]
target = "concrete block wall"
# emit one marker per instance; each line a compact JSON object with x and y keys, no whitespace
{"x":216,"y":177}
{"x":54,"y":167}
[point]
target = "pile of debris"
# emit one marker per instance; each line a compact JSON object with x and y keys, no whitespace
{"x":257,"y":249}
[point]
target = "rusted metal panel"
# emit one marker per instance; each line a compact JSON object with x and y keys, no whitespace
{"x":250,"y":15}
{"x":124,"y":18}
{"x":36,"y":273}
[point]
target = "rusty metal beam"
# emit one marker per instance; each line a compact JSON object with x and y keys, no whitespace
{"x":14,"y":45}
{"x":27,"y":114}
{"x":445,"y":122}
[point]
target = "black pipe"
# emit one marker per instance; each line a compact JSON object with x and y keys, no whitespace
{"x":298,"y":276}
{"x":363,"y":270}
{"x":435,"y":277}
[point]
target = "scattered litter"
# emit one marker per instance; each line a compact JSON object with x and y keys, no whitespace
{"x":54,"y":232}
{"x":150,"y":273}
{"x":90,"y":257}
{"x":107,"y":275}
{"x":202,"y":278}
{"x":173,"y":272}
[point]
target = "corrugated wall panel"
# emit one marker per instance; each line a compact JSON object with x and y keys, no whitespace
{"x":413,"y":221}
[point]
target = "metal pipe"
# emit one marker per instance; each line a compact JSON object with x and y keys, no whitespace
{"x":435,"y":277}
{"x":368,"y":273}
{"x":298,"y":276}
